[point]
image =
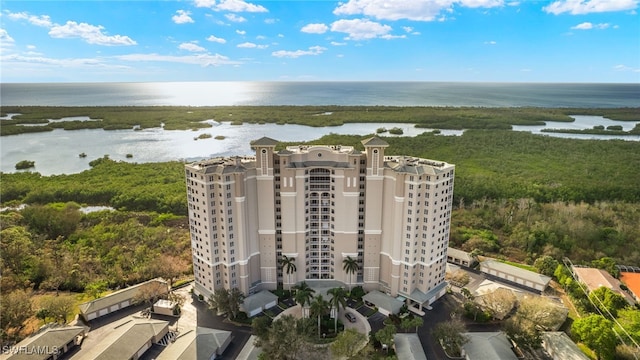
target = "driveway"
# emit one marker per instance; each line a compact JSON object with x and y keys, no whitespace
{"x":361,"y":324}
{"x":195,"y":313}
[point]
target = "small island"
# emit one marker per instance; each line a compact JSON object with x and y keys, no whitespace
{"x":220,"y":137}
{"x":597,"y":130}
{"x":82,"y":155}
{"x":25,"y":164}
{"x":396,"y":131}
{"x":203,"y":136}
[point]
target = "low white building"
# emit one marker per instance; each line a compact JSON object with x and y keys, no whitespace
{"x":257,"y":303}
{"x":560,"y":347}
{"x":165,"y":307}
{"x":200,"y":343}
{"x":129,"y":340}
{"x":460,"y":257}
{"x":408,"y":347}
{"x":516,"y":275}
{"x":488,"y":345}
{"x":50,"y":343}
{"x":122,"y":298}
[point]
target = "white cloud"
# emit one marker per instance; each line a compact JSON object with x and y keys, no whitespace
{"x":241,"y":32}
{"x":270,"y":21}
{"x":492,"y":42}
{"x":41,"y":20}
{"x":409,"y":10}
{"x":622,"y":67}
{"x":200,"y":59}
{"x":261,"y":37}
{"x":589,"y":26}
{"x":81,"y":62}
{"x":216,"y":39}
{"x":31,"y":47}
{"x":6,"y":41}
{"x":391,"y":37}
{"x":182,"y":17}
{"x":360,"y":29}
{"x":230,"y":5}
{"x":315,"y":29}
{"x":205,"y":3}
{"x":335,"y":43}
{"x":409,"y":30}
{"x":579,"y":7}
{"x":314,"y":50}
{"x":235,"y":18}
{"x":4,"y":37}
{"x":249,"y":45}
{"x":191,"y":47}
{"x":89,"y":33}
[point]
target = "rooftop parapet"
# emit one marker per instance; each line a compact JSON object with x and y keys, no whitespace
{"x":414,"y":161}
{"x":303,"y":149}
{"x":222,"y":162}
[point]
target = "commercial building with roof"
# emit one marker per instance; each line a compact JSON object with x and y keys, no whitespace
{"x":529,"y":279}
{"x":488,"y":345}
{"x":321,"y":205}
{"x":460,"y":257}
{"x":123,"y":298}
{"x":594,"y":278}
{"x":200,"y":343}
{"x":560,"y":347}
{"x":259,"y":302}
{"x":408,"y":347}
{"x":51,"y":343}
{"x":129,"y":340}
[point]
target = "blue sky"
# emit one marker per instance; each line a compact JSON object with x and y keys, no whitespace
{"x":296,"y":40}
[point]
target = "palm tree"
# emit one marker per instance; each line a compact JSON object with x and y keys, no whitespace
{"x":350,"y":266}
{"x":338,"y":299}
{"x":303,"y":296}
{"x":288,"y":265}
{"x":319,"y":308}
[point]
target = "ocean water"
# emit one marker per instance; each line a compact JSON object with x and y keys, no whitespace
{"x":579,"y":95}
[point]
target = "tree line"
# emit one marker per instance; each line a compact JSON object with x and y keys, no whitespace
{"x":185,"y":117}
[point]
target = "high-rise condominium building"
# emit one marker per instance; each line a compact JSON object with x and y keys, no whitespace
{"x":321,"y":206}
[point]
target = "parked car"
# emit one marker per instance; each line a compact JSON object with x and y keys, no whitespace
{"x":350,"y":317}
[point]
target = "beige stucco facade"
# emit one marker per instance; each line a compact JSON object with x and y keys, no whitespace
{"x":320,"y":205}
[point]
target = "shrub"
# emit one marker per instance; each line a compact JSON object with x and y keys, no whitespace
{"x":25,"y":164}
{"x":357,"y":293}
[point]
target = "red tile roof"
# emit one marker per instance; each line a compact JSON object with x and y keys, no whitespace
{"x":632,"y":280}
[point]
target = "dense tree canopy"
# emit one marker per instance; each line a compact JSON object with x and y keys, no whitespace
{"x":597,"y":333}
{"x":286,"y":338}
{"x":114,"y":247}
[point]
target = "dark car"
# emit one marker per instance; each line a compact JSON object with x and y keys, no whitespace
{"x":350,"y":317}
